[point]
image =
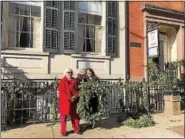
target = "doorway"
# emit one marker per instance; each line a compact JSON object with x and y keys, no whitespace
{"x":163,"y":52}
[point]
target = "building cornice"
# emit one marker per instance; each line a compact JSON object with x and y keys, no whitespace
{"x":162,"y":10}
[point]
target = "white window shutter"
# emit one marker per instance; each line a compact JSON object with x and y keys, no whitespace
{"x":111,"y":28}
{"x":51,"y":26}
{"x":70,"y":21}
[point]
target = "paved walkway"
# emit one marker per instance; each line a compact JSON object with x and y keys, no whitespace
{"x":109,"y":129}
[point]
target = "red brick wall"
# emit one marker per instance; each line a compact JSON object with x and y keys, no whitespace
{"x":136,"y":33}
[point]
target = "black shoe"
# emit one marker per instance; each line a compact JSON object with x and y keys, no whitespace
{"x":79,"y":133}
{"x":64,"y":134}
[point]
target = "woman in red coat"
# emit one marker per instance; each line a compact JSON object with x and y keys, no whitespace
{"x":68,"y":93}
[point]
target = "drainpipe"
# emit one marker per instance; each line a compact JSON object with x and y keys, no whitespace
{"x":184,"y":46}
{"x":127,"y":52}
{"x":0,"y":54}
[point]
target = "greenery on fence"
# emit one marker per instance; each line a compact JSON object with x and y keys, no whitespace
{"x":164,"y":80}
{"x":93,"y":101}
{"x":54,"y":108}
{"x":15,"y":89}
{"x":157,"y":79}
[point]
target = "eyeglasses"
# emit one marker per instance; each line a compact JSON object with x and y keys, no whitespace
{"x":69,"y":72}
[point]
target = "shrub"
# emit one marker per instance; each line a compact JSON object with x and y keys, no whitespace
{"x":142,"y":121}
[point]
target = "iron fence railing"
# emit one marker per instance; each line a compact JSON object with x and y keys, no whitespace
{"x":28,"y":102}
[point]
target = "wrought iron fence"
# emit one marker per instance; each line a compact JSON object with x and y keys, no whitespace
{"x":30,"y":102}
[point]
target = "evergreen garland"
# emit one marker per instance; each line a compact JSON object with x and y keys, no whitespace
{"x":93,"y":101}
{"x":54,"y":111}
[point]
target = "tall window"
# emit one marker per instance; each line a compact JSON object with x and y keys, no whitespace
{"x":1,"y":39}
{"x":51,"y":23}
{"x":24,"y":20}
{"x":89,"y":20}
{"x":69,"y":25}
{"x":112,"y":27}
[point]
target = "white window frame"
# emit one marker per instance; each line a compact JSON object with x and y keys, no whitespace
{"x":86,"y":24}
{"x":5,"y":30}
{"x":61,"y":32}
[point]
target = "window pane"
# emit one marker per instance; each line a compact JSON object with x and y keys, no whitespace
{"x":114,"y":27}
{"x":48,"y":3}
{"x":12,"y":39}
{"x":114,"y":8}
{"x":90,"y":45}
{"x":13,"y":23}
{"x":90,"y":32}
{"x":66,"y":5}
{"x":48,"y":17}
{"x":81,"y":43}
{"x":114,"y":44}
{"x":72,"y":5}
{"x":110,"y":44}
{"x":31,"y":40}
{"x":25,"y":24}
{"x":54,"y":18}
{"x":82,"y":18}
{"x":24,"y":39}
{"x":67,"y":40}
{"x":13,"y":8}
{"x":72,"y":20}
{"x":72,"y":40}
{"x":54,"y":39}
{"x":48,"y":38}
{"x":97,"y":20}
{"x":92,"y":41}
{"x":25,"y":9}
{"x":109,"y":8}
{"x":90,"y":19}
{"x":83,"y":6}
{"x":66,"y":20}
{"x":55,"y":3}
{"x":36,"y":11}
{"x":109,"y":26}
{"x":81,"y":31}
{"x":69,"y":5}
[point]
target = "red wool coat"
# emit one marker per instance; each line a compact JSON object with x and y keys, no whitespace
{"x":67,"y":89}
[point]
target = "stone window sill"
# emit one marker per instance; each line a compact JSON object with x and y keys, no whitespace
{"x":24,"y":52}
{"x":91,"y":56}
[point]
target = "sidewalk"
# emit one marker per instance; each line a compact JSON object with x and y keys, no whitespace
{"x":109,"y":129}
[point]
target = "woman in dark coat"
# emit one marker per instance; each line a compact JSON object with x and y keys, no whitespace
{"x":93,"y":103}
{"x":68,"y":94}
{"x":91,"y":75}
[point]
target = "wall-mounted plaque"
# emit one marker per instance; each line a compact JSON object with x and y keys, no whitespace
{"x":135,"y":44}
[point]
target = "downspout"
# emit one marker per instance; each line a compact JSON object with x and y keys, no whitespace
{"x":0,"y":59}
{"x":127,"y":52}
{"x":184,"y":48}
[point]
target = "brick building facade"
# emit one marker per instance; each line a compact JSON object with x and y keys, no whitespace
{"x":169,"y":17}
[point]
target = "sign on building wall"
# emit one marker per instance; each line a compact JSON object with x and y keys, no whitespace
{"x":153,"y":43}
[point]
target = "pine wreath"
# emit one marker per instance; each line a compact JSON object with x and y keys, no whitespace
{"x":92,"y":105}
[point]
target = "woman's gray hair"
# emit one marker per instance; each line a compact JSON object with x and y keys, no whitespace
{"x":82,"y":71}
{"x":68,"y":70}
